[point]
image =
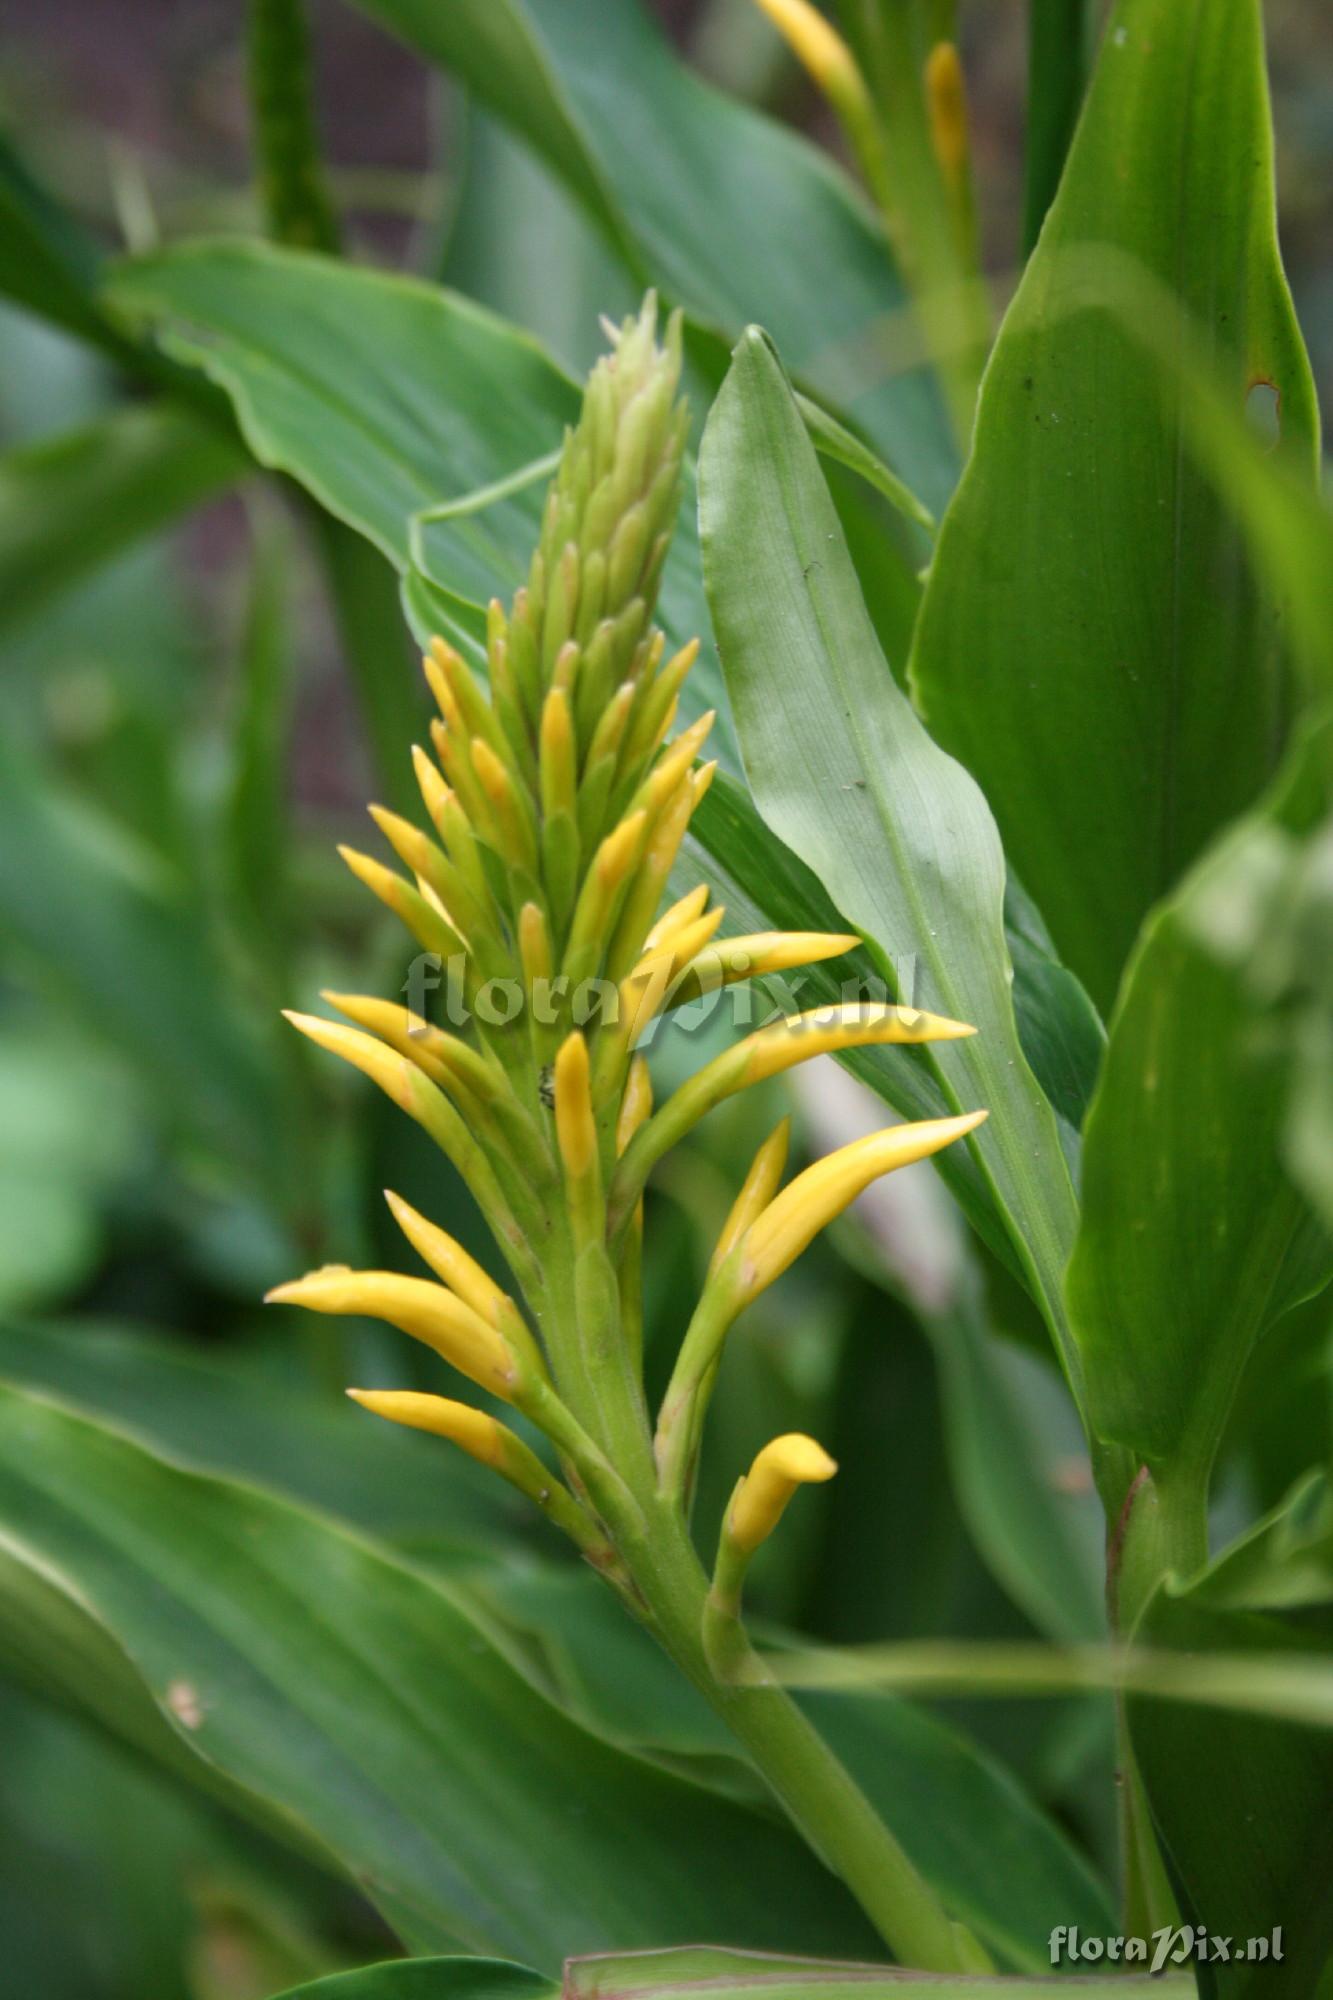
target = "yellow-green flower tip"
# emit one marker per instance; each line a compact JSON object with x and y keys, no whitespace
{"x":787,"y":1462}
{"x":479,"y":1435}
{"x":416,"y":1306}
{"x":810,"y":1202}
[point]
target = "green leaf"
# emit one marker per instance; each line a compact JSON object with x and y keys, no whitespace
{"x":116,"y":931}
{"x":248,"y":1416}
{"x":683,"y":1975}
{"x":1257,"y":1850}
{"x":1059,"y":35}
{"x":994,"y":1857}
{"x":354,"y":1699}
{"x":47,"y":264}
{"x":843,"y":772}
{"x":431,"y":1979}
{"x":1092,"y":643}
{"x":71,"y":503}
{"x":696,"y":191}
{"x":1193,"y":1238}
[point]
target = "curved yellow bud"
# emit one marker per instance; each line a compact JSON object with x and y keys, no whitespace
{"x":403,"y":1030}
{"x":757,"y":1191}
{"x":426,"y":1311}
{"x":428,"y":926}
{"x":615,"y":857}
{"x":732,"y":959}
{"x":449,"y":1260}
{"x":479,"y":1435}
{"x":575,"y":1128}
{"x":636,"y":1106}
{"x":367,"y":1053}
{"x":435,"y":793}
{"x":672,"y":920}
{"x":810,"y":1202}
{"x":825,"y":1030}
{"x":761,"y":1500}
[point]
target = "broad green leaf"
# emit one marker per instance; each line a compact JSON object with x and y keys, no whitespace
{"x":68,"y":504}
{"x":1193,"y":1238}
{"x":431,"y":1979}
{"x":998,"y":1862}
{"x":117,"y":932}
{"x":1092,"y":643}
{"x":1258,"y":1850}
{"x":733,"y":216}
{"x":247,"y":1415}
{"x":732,"y":1975}
{"x":359,"y":1702}
{"x":844,"y":773}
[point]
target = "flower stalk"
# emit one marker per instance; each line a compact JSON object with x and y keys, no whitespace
{"x":558,"y":799}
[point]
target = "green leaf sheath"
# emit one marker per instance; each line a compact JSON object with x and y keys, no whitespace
{"x":1092,"y":643}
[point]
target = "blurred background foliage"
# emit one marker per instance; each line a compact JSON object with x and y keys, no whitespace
{"x":184,"y":737}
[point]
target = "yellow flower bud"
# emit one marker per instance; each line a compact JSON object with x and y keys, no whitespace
{"x":810,"y":1202}
{"x":431,"y":930}
{"x":449,"y":1260}
{"x":384,"y":1066}
{"x":672,"y":920}
{"x":733,"y":959}
{"x":757,"y":1191}
{"x":479,"y":1435}
{"x":636,"y":1105}
{"x":575,"y":1129}
{"x":761,"y":1499}
{"x":426,"y":1311}
{"x":825,"y":1030}
{"x":403,"y":1030}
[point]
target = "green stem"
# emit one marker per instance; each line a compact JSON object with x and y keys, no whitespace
{"x":819,"y":1794}
{"x":297,"y":209}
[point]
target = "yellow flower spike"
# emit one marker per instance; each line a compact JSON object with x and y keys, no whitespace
{"x":636,"y":1106}
{"x":449,"y":1261}
{"x":434,"y":791}
{"x":417,"y":1307}
{"x":757,"y":1191}
{"x":381,"y":1064}
{"x":685,"y":911}
{"x":701,"y":781}
{"x":575,"y":1127}
{"x":813,"y":1200}
{"x":761,"y":1499}
{"x":431,"y":931}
